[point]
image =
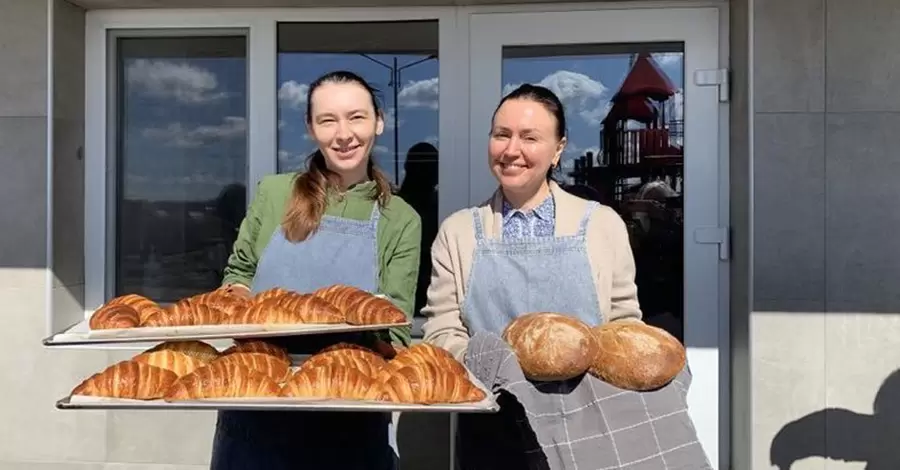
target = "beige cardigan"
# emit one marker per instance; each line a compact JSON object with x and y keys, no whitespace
{"x":609,"y":251}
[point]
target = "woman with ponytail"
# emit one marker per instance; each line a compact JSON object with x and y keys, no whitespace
{"x":336,"y":223}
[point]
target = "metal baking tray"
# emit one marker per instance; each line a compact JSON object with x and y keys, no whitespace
{"x":81,"y":334}
{"x":488,"y":405}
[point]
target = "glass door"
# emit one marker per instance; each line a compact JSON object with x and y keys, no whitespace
{"x":643,"y":138}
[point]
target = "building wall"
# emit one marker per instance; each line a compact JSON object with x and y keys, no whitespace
{"x":826,"y":254}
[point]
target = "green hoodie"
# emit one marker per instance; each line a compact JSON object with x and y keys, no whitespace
{"x":398,"y":238}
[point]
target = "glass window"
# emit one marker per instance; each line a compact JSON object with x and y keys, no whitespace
{"x":180,"y":159}
{"x":624,"y":112}
{"x":400,"y":60}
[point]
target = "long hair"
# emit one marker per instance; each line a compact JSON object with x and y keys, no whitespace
{"x":309,"y":197}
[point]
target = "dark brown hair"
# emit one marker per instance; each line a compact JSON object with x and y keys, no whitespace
{"x":544,"y":97}
{"x":311,"y":189}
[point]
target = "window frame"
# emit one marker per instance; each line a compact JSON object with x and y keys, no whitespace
{"x":104,"y":27}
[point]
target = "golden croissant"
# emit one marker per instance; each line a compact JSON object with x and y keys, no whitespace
{"x":274,"y":368}
{"x":373,"y":310}
{"x":222,"y":380}
{"x":128,"y":379}
{"x":272,"y":293}
{"x":267,"y":312}
{"x":341,"y":296}
{"x":427,"y":383}
{"x":311,"y":308}
{"x":185,"y":314}
{"x":332,"y":381}
{"x":344,"y":354}
{"x":221,"y":300}
{"x":111,"y":316}
{"x":144,"y":306}
{"x":259,"y":346}
{"x":177,"y":362}
{"x":196,"y":349}
{"x":424,"y":352}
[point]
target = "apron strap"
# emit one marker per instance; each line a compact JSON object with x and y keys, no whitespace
{"x":376,"y":214}
{"x":479,"y":226}
{"x":586,"y":218}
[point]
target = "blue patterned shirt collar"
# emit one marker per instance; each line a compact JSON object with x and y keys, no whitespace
{"x":546,"y":210}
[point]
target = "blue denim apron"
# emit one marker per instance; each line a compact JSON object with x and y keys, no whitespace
{"x":342,"y":251}
{"x":510,"y":278}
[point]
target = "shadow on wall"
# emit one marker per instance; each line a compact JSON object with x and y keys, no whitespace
{"x":844,"y":435}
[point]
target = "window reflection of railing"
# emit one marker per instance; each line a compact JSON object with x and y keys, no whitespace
{"x":630,"y":146}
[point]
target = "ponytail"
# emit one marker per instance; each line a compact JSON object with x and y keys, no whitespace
{"x":309,"y":197}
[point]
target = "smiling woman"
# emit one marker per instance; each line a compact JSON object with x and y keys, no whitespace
{"x":403,"y":70}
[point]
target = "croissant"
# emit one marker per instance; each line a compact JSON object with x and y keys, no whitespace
{"x":341,"y":296}
{"x":424,"y":352}
{"x":222,"y":380}
{"x":427,"y":383}
{"x":311,"y":308}
{"x":221,"y":300}
{"x":349,"y":355}
{"x":272,"y":293}
{"x":373,"y":310}
{"x":128,"y":379}
{"x":258,"y":346}
{"x":267,"y":312}
{"x":112,"y":316}
{"x":332,"y":381}
{"x":277,"y":370}
{"x":177,"y":362}
{"x":185,"y":314}
{"x":195,"y":349}
{"x":144,"y":306}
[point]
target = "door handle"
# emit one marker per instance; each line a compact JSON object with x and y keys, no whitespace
{"x":715,"y":235}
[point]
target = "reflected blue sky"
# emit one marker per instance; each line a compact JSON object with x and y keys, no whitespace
{"x":185,"y":126}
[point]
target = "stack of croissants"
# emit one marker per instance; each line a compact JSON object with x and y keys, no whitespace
{"x":277,"y":306}
{"x":192,"y":370}
{"x":627,"y":354}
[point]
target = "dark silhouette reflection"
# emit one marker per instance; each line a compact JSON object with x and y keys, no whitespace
{"x":657,"y":238}
{"x":169,"y":250}
{"x":841,"y":434}
{"x":419,"y":189}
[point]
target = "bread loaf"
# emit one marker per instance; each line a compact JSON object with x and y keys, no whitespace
{"x":636,"y":356}
{"x":551,"y":346}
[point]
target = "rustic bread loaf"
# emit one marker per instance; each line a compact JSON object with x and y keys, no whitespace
{"x":636,"y":356}
{"x":551,"y":346}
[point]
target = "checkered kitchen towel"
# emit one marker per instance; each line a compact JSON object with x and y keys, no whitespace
{"x":589,"y":424}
